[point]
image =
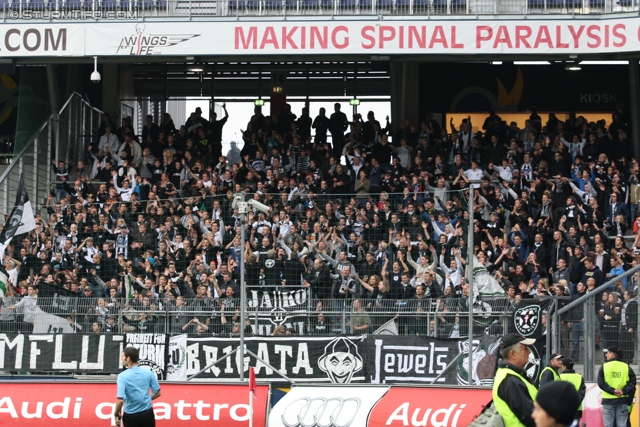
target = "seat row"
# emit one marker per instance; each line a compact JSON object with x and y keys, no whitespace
{"x":82,"y":4}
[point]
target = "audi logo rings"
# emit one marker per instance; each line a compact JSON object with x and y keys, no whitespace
{"x":321,"y":412}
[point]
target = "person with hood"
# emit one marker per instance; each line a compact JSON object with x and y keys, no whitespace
{"x":628,"y":323}
{"x":233,"y":155}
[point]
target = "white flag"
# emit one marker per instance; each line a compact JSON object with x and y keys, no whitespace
{"x":47,"y":323}
{"x":177,"y":365}
{"x":388,"y":328}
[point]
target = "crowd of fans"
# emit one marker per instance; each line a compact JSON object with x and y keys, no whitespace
{"x":373,"y":219}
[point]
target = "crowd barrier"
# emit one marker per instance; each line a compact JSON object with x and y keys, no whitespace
{"x":371,"y":359}
{"x":292,"y":311}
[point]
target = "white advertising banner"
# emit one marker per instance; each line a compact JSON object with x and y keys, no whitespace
{"x":366,"y":37}
{"x":562,"y":36}
{"x":326,"y":406}
{"x":42,"y":40}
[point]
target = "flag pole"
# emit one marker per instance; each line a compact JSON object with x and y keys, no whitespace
{"x":252,"y":393}
{"x":250,"y":408}
{"x":470,"y":255}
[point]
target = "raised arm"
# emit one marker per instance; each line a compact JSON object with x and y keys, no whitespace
{"x":443,"y":266}
{"x":286,"y":248}
{"x":330,"y":260}
{"x":411,"y":262}
{"x":364,"y":283}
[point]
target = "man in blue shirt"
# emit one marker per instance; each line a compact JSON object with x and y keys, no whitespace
{"x":133,"y":392}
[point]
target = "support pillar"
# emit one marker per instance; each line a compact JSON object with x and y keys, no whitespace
{"x":54,"y":102}
{"x":634,"y":106}
{"x":110,"y":102}
{"x":405,"y":82}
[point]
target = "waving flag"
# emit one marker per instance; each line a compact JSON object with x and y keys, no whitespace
{"x":252,"y":381}
{"x":4,"y":284}
{"x":484,"y":285}
{"x":21,"y":219}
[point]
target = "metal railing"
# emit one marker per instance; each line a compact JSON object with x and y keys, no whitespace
{"x":585,"y":327}
{"x":139,"y":9}
{"x":298,"y":315}
{"x":61,"y":137}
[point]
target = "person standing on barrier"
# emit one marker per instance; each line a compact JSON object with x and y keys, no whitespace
{"x":576,"y":321}
{"x":550,"y":373}
{"x":628,"y":325}
{"x":617,"y":381}
{"x":556,"y":405}
{"x":133,"y":393}
{"x":513,"y":391}
{"x":569,"y":375}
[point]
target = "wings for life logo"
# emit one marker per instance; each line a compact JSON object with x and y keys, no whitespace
{"x":526,"y":319}
{"x":142,"y":43}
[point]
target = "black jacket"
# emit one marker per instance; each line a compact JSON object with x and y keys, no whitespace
{"x":320,"y":281}
{"x":514,"y":392}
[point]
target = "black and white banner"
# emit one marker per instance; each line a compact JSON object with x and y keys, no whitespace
{"x":272,"y":309}
{"x":177,"y":358}
{"x":374,"y":359}
{"x":420,"y":360}
{"x":61,"y":352}
{"x":152,"y":349}
{"x":338,"y":360}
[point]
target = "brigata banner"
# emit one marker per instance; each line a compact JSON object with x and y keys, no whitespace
{"x":373,"y":359}
{"x":338,"y":360}
{"x":85,"y":404}
{"x":378,"y":406}
{"x":324,"y":36}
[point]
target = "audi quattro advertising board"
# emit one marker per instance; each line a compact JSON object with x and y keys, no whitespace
{"x":82,"y":404}
{"x":377,"y":406}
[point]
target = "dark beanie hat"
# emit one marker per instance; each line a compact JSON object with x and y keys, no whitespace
{"x":560,"y":400}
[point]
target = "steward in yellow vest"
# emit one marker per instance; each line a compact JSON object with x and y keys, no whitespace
{"x":550,"y":373}
{"x":570,"y":376}
{"x":617,"y":381}
{"x":514,"y":392}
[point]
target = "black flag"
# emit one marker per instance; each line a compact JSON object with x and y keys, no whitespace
{"x":527,"y":317}
{"x":21,"y":219}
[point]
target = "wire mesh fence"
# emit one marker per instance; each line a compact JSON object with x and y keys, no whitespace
{"x":276,"y":313}
{"x":60,"y":138}
{"x":132,"y":9}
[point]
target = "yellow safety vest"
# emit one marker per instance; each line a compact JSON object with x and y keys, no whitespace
{"x":575,"y":379}
{"x":616,"y":375}
{"x":556,"y":377}
{"x":503,"y":409}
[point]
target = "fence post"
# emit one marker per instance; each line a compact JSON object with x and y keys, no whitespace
{"x":589,"y":339}
{"x":556,"y":341}
{"x":36,"y":174}
{"x":548,"y":337}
